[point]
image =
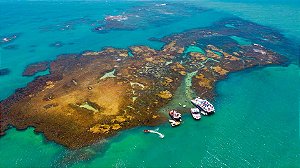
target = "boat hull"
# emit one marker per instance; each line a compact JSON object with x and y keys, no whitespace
{"x":203,"y":110}
{"x":174,"y":123}
{"x":178,"y":119}
{"x":196,"y":118}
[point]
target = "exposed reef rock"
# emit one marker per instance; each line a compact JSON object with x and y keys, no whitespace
{"x":165,"y":94}
{"x":91,"y":96}
{"x":32,"y":69}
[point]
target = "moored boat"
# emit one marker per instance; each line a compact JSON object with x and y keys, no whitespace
{"x":204,"y":105}
{"x":174,"y":123}
{"x":196,"y":113}
{"x":175,"y":115}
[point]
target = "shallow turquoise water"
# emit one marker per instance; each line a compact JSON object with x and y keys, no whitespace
{"x":240,"y":40}
{"x":193,"y":49}
{"x":27,"y":149}
{"x":257,"y":119}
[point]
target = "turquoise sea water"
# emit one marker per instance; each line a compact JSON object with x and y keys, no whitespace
{"x":257,"y":119}
{"x":193,"y":49}
{"x":240,"y":40}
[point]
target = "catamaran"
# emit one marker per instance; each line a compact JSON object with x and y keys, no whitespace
{"x":203,"y":105}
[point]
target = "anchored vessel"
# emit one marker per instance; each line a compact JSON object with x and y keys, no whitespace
{"x":176,"y":118}
{"x":203,"y":105}
{"x":175,"y":115}
{"x":196,"y":113}
{"x":174,"y":123}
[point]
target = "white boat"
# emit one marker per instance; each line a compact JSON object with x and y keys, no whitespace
{"x":174,"y":123}
{"x":203,"y":105}
{"x":196,"y":113}
{"x":175,"y":115}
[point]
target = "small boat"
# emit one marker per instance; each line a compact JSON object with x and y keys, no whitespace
{"x":175,"y":115}
{"x":174,"y":123}
{"x":196,"y":113}
{"x":155,"y":132}
{"x":205,"y":106}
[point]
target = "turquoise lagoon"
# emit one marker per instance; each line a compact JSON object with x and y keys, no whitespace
{"x":257,"y":119}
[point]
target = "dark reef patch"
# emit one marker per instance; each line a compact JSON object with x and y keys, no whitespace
{"x":32,"y":69}
{"x":4,"y":71}
{"x":219,"y":34}
{"x":33,"y":46}
{"x":11,"y":47}
{"x":67,"y":25}
{"x":144,"y":16}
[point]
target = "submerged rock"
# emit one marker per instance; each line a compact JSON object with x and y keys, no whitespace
{"x":4,"y":71}
{"x":11,"y":47}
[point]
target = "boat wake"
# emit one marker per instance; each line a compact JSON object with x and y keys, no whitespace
{"x":155,"y":132}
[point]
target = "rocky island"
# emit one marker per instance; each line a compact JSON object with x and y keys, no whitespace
{"x":93,"y":95}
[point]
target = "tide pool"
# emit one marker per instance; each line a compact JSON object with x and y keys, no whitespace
{"x":193,"y":49}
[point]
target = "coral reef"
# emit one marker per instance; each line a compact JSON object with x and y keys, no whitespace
{"x":4,"y":71}
{"x":32,"y":69}
{"x":91,"y":96}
